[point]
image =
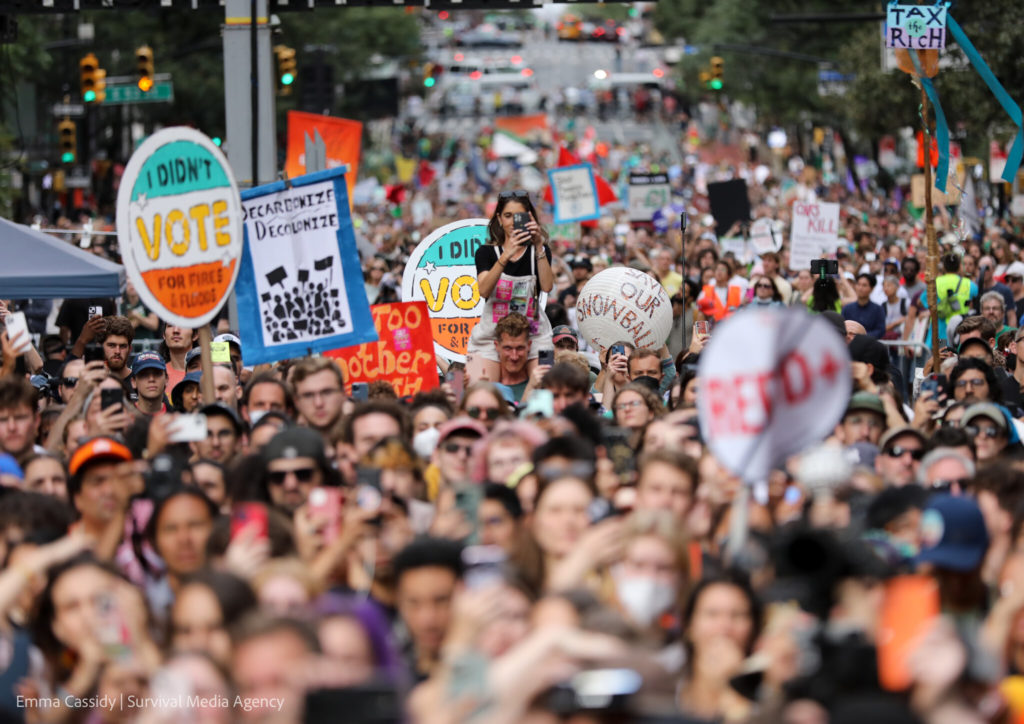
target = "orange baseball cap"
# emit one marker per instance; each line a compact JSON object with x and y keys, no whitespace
{"x":99,"y":448}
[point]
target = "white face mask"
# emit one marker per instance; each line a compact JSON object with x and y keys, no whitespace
{"x":644,"y":599}
{"x":425,"y":441}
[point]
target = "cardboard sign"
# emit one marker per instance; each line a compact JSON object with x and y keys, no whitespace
{"x":772,"y":382}
{"x":766,"y":235}
{"x":648,"y":192}
{"x":951,"y":197}
{"x":403,"y":354}
{"x":575,"y":193}
{"x":179,"y":222}
{"x":342,"y":137}
{"x":301,"y":287}
{"x":814,"y":234}
{"x":916,"y":27}
{"x":442,"y":272}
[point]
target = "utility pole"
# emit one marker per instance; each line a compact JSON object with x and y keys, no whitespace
{"x":249,"y":89}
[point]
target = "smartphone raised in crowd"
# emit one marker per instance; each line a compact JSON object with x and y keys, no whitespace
{"x":360,"y":391}
{"x":245,"y":515}
{"x":111,"y":398}
{"x":17,"y":324}
{"x":616,"y":349}
{"x":546,"y":357}
{"x":93,"y":353}
{"x":189,"y":428}
{"x":326,"y":503}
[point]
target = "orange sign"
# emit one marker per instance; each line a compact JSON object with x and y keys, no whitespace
{"x":343,"y":139}
{"x":403,"y":356}
{"x":179,"y":221}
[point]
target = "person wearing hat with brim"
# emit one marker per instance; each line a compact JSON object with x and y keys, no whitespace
{"x":454,"y":452}
{"x":954,"y":541}
{"x":1014,"y":277}
{"x":900,"y":453}
{"x":185,"y":397}
{"x":565,"y":337}
{"x":993,"y":432}
{"x":94,"y":484}
{"x":863,"y":421}
{"x":224,"y":432}
{"x":149,"y":374}
{"x":234,"y":349}
{"x":296,"y":464}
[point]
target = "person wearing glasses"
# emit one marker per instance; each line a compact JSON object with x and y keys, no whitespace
{"x":636,"y":405}
{"x":513,"y":268}
{"x":296,"y":463}
{"x":974,"y":381}
{"x":68,"y":377}
{"x":993,"y":432}
{"x":766,"y":294}
{"x":485,"y":404}
{"x":901,"y":451}
{"x":374,"y":274}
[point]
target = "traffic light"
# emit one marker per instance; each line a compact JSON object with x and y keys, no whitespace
{"x":68,"y":133}
{"x":285,"y":59}
{"x":431,"y":72}
{"x":717,"y":70}
{"x":144,"y":67}
{"x":93,"y":79}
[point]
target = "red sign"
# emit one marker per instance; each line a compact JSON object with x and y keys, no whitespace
{"x":403,"y":356}
{"x":343,"y":139}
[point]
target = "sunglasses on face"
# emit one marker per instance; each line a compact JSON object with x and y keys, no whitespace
{"x":454,"y":448}
{"x":516,"y":194}
{"x":763,"y":286}
{"x":303,"y":475}
{"x":898,"y":451}
{"x":69,"y":381}
{"x":990,"y":432}
{"x":478,"y":413}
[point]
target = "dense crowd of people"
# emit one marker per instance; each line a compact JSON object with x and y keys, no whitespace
{"x":544,"y":536}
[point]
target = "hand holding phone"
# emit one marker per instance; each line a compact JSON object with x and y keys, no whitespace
{"x":188,"y":428}
{"x":250,"y":515}
{"x":17,"y":332}
{"x":546,"y":357}
{"x":111,"y":398}
{"x":360,"y":391}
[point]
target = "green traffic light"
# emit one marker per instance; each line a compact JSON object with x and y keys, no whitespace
{"x":287,"y":79}
{"x":67,"y":157}
{"x":89,"y":96}
{"x":429,"y":82}
{"x":716,"y":84}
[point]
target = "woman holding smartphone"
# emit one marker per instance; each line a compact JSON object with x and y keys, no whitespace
{"x":512,"y":269}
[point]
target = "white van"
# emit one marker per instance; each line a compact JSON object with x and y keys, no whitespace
{"x":517,"y":93}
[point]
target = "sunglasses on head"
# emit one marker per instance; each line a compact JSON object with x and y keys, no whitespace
{"x":303,"y":475}
{"x":516,"y":194}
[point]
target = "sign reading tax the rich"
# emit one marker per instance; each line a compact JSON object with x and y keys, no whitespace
{"x":916,"y":27}
{"x":301,"y":285}
{"x":179,"y":221}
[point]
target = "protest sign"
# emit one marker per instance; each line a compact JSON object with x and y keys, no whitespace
{"x":648,"y":192}
{"x":301,"y":285}
{"x":772,"y":382}
{"x":574,"y":193}
{"x":564,"y":232}
{"x":402,"y":355}
{"x":730,"y":203}
{"x":620,"y":304}
{"x":915,"y":27}
{"x":179,"y":221}
{"x":343,"y":139}
{"x":441,"y":271}
{"x":738,"y":246}
{"x":951,"y":197}
{"x":814,"y":234}
{"x":766,"y":235}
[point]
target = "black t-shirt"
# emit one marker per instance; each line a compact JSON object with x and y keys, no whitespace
{"x":74,"y":313}
{"x":487,"y":256}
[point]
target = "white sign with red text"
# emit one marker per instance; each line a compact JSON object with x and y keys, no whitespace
{"x":815,"y":232}
{"x":772,"y":383}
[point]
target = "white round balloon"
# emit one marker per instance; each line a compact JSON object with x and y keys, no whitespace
{"x":624,"y":305}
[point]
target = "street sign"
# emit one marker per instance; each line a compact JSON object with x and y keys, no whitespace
{"x":122,"y":93}
{"x":68,"y":109}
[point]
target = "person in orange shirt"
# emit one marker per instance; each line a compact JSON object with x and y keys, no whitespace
{"x":720,"y":297}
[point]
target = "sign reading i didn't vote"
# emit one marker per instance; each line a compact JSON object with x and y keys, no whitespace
{"x":179,"y":222}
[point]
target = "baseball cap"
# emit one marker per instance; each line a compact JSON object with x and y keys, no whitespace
{"x":893,"y":261}
{"x":895,"y":432}
{"x":229,"y":338}
{"x":9,"y":466}
{"x":461,"y":424}
{"x":148,"y":361}
{"x":219,"y":408}
{"x":582,"y":263}
{"x":1016,"y":269}
{"x":868,"y":349}
{"x":564,"y":331}
{"x":986,"y":410}
{"x":953,"y":534}
{"x":865,"y":401}
{"x":96,"y":449}
{"x":296,"y":442}
{"x":192,"y":354}
{"x":973,"y":340}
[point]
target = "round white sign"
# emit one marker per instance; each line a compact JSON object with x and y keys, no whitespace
{"x":622,"y":304}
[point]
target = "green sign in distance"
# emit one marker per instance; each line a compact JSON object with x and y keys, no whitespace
{"x":161,"y":92}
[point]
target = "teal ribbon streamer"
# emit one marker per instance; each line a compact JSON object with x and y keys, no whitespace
{"x":941,"y":127}
{"x":1013,"y":158}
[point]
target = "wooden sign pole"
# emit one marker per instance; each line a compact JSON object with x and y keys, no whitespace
{"x":932,"y":261}
{"x":206,"y":365}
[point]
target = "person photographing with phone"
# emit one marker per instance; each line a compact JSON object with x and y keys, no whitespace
{"x":513,"y":268}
